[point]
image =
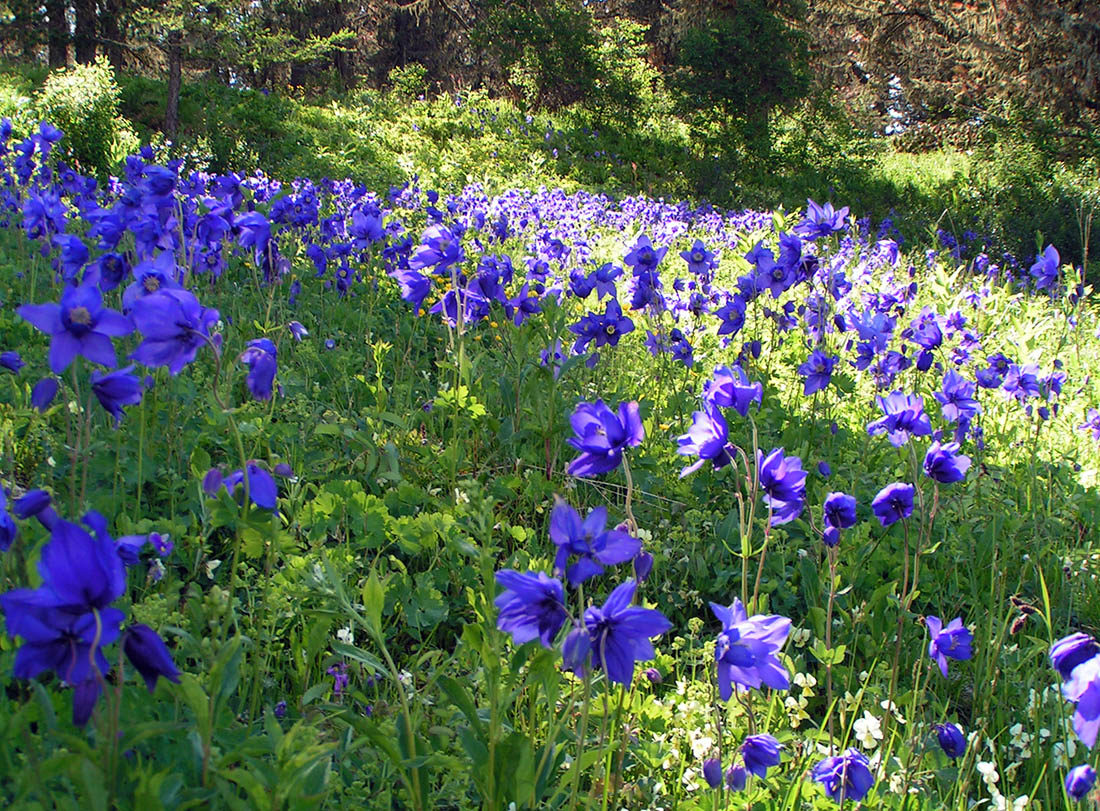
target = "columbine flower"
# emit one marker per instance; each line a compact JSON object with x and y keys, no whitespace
{"x":601,"y":436}
{"x":78,"y":325}
{"x":945,"y":464}
{"x":117,"y":389}
{"x":845,"y":777}
{"x":67,"y":620}
{"x":817,"y":371}
{"x":951,"y":739}
{"x":1045,"y":269}
{"x":839,"y":511}
{"x":615,"y":636}
{"x":952,"y":642}
{"x":531,"y":607}
{"x":893,"y":503}
{"x":784,"y":484}
{"x":262,"y":490}
{"x":43,"y":393}
{"x":747,"y":649}
{"x":260,"y":358}
{"x":821,"y":221}
{"x":1080,"y":781}
{"x":760,"y":752}
{"x":736,"y":777}
{"x":1083,"y":688}
{"x":588,"y":539}
{"x":1070,"y":651}
{"x":957,"y":398}
{"x":173,"y":324}
{"x":149,"y":655}
{"x":708,"y":438}
{"x":11,"y":361}
{"x":8,"y":529}
{"x":905,"y":418}
{"x":731,"y":388}
{"x":712,"y":772}
{"x":1091,"y":424}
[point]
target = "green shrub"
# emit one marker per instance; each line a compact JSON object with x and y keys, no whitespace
{"x":409,"y":81}
{"x":83,"y":101}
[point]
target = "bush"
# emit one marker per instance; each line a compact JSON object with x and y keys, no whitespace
{"x":84,"y":102}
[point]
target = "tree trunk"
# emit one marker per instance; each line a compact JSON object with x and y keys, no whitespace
{"x":84,"y":35}
{"x":175,"y":67}
{"x":110,"y":31}
{"x":57,"y":33}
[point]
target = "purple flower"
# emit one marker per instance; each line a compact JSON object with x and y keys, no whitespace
{"x":173,"y":324}
{"x":951,"y":739}
{"x":439,"y":248}
{"x":36,"y":504}
{"x":601,"y":436}
{"x":904,"y":418}
{"x":760,"y":752}
{"x":115,"y":390}
{"x":784,"y":484}
{"x":262,"y":490}
{"x":79,"y":326}
{"x":893,"y":503}
{"x":736,"y":777}
{"x":821,"y":221}
{"x":643,"y":257}
{"x":1080,"y":780}
{"x":730,"y":388}
{"x":11,"y":361}
{"x":708,"y":438}
{"x":952,"y":642}
{"x":260,"y":358}
{"x":945,"y":464}
{"x":1045,"y":269}
{"x":531,"y":607}
{"x":1083,"y":689}
{"x":712,"y":772}
{"x":699,"y":259}
{"x":149,"y":655}
{"x":1070,"y":651}
{"x":817,"y":371}
{"x":280,"y":710}
{"x":839,"y":511}
{"x":8,"y":529}
{"x":845,"y":777}
{"x":615,"y":636}
{"x":957,"y":398}
{"x":594,"y":546}
{"x":43,"y":393}
{"x":297,"y":330}
{"x":747,"y":649}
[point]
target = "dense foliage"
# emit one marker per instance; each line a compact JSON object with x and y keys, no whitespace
{"x":412,"y":499}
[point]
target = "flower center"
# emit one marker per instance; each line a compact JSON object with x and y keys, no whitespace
{"x":80,"y":315}
{"x":151,"y":284}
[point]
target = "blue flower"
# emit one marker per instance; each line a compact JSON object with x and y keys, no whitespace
{"x":262,"y":490}
{"x":173,"y":324}
{"x":260,"y":358}
{"x":117,"y":389}
{"x":893,"y":503}
{"x":594,"y":545}
{"x":1083,"y":689}
{"x":839,"y":511}
{"x":821,"y":221}
{"x":11,"y":361}
{"x":730,"y":388}
{"x":817,"y":371}
{"x":747,"y":649}
{"x":784,"y":484}
{"x":951,"y":739}
{"x":8,"y":529}
{"x":615,"y":636}
{"x":845,"y":777}
{"x":1070,"y":651}
{"x":149,"y":655}
{"x":1080,"y":781}
{"x":602,"y":435}
{"x":945,"y":464}
{"x":760,"y":752}
{"x":957,"y":398}
{"x":712,"y":772}
{"x":951,"y":642}
{"x":531,"y":607}
{"x":1045,"y":269}
{"x":708,"y":438}
{"x":79,"y":326}
{"x":904,"y":418}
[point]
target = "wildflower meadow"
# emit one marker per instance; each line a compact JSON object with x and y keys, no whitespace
{"x":316,"y":495}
